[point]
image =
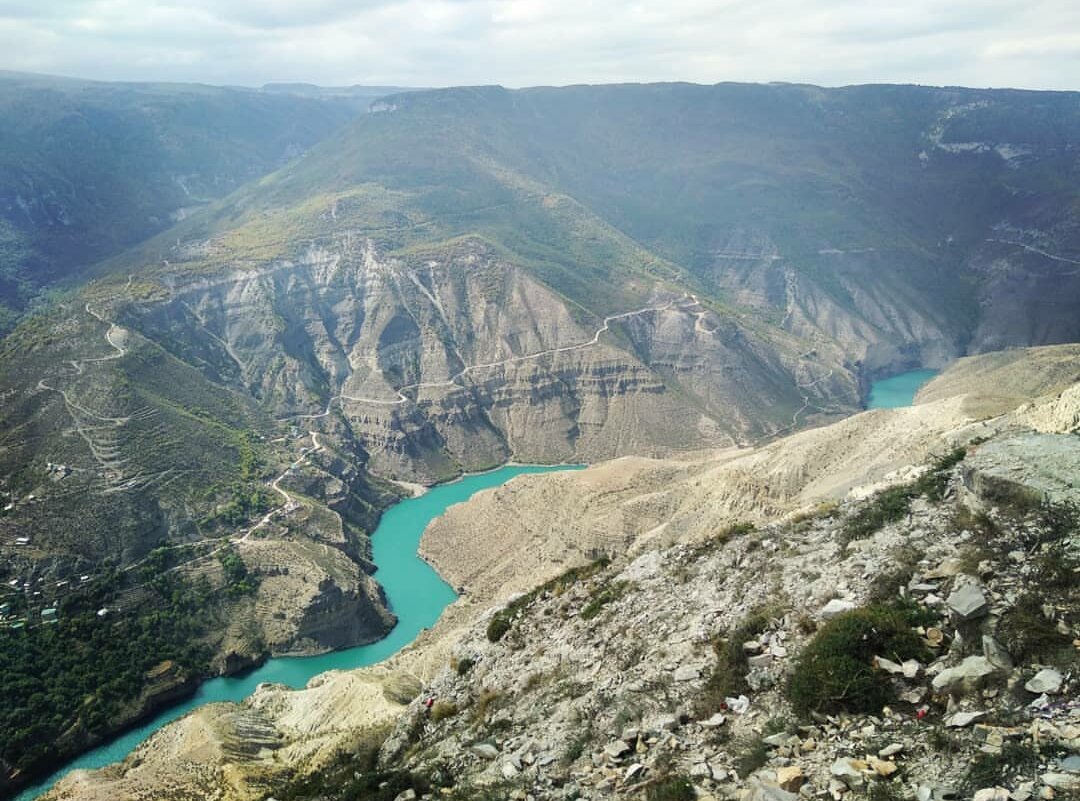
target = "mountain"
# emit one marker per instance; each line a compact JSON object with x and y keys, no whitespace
{"x":780,"y":242}
{"x":896,"y":617}
{"x":469,"y":276}
{"x":90,"y":168}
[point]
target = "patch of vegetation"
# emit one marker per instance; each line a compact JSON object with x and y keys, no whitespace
{"x":238,"y":581}
{"x":739,"y":529}
{"x":575,"y":747}
{"x":356,"y":776}
{"x":463,"y":665}
{"x":1054,"y":583}
{"x":886,"y":507}
{"x":933,"y":482}
{"x":82,"y":674}
{"x":498,"y":626}
{"x":885,"y":791}
{"x":502,"y":621}
{"x":749,"y":754}
{"x":894,"y":503}
{"x":671,"y":788}
{"x":1017,"y":761}
{"x":835,"y":670}
{"x":486,"y":703}
{"x":1029,"y":635}
{"x":728,"y":674}
{"x":605,"y":595}
{"x":914,"y":613}
{"x":887,"y":585}
{"x":442,"y":710}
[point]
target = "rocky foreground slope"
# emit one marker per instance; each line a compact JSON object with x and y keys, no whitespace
{"x":913,"y":641}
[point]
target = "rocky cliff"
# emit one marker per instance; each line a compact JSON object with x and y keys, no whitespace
{"x":466,"y":361}
{"x":611,"y":679}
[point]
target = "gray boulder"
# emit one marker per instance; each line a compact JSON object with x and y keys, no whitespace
{"x":968,"y":602}
{"x":1046,"y":680}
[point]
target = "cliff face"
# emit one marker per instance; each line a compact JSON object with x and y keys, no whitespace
{"x":464,"y":362}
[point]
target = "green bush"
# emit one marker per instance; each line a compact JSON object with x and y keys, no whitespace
{"x":886,"y":507}
{"x":674,"y":788}
{"x":728,"y":674}
{"x":835,"y":671}
{"x":498,"y":625}
{"x":607,"y":594}
{"x":501,"y":623}
{"x":892,"y":504}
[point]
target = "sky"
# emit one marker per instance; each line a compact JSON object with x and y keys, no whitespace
{"x":1032,"y":44}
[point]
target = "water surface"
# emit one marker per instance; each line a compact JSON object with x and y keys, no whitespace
{"x":897,"y":390}
{"x":416,"y":593}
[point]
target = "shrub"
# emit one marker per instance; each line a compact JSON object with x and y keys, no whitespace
{"x":672,"y":788}
{"x":464,"y":665}
{"x":728,"y":674}
{"x":498,"y":625}
{"x":607,"y":594}
{"x":441,"y":710}
{"x":892,"y":504}
{"x":887,"y":506}
{"x":1028,"y":634}
{"x":486,"y":703}
{"x":750,"y":753}
{"x":1016,"y":761}
{"x":835,"y":671}
{"x":933,"y":482}
{"x":740,"y":529}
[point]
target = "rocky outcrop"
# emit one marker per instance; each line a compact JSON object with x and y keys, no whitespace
{"x":1004,"y":470}
{"x":311,"y":598}
{"x":610,"y":682}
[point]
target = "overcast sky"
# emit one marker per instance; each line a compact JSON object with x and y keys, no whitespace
{"x":1032,"y":44}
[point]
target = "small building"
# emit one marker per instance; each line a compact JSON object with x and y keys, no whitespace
{"x":22,"y":540}
{"x":102,"y":612}
{"x":48,"y":615}
{"x":5,"y":609}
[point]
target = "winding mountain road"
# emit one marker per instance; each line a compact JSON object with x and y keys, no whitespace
{"x":452,"y":380}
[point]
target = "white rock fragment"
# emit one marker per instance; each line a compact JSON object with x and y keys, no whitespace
{"x":1046,"y":680}
{"x":962,"y":719}
{"x":835,"y":607}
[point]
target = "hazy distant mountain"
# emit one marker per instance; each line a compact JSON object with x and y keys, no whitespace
{"x":88,"y":168}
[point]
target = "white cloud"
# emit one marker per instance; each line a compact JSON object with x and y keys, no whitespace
{"x":529,"y":42}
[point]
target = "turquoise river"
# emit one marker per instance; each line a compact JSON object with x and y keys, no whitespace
{"x":416,"y":593}
{"x":898,"y":390}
